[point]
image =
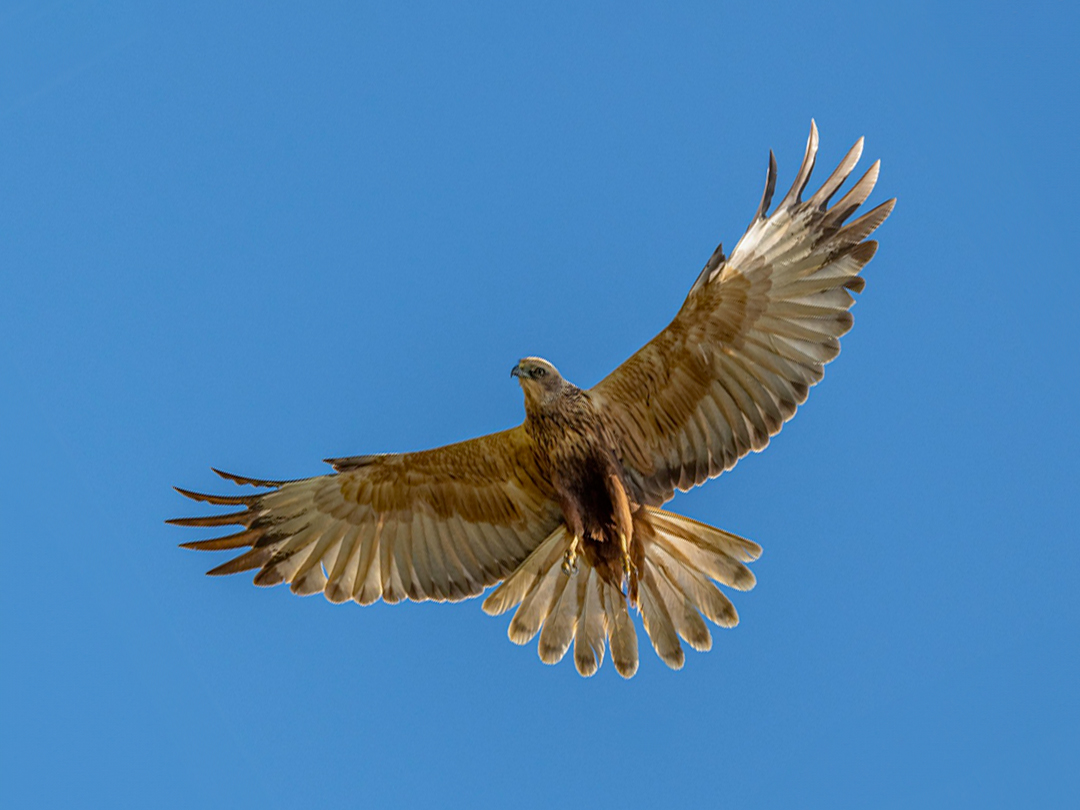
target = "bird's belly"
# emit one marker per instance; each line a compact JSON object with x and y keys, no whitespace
{"x":584,"y":481}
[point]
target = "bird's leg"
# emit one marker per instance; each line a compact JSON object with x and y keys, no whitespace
{"x":575,"y":527}
{"x":624,"y":528}
{"x":569,"y":563}
{"x":629,"y":569}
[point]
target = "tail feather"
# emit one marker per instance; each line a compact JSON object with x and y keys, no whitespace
{"x":620,"y":630}
{"x":528,"y":575}
{"x":683,"y":610}
{"x":696,"y":586}
{"x":714,"y":552}
{"x":658,"y":623}
{"x":558,"y":631}
{"x":705,"y":535}
{"x":589,"y":640}
{"x":676,"y":590}
{"x":718,"y":566}
{"x":537,"y":607}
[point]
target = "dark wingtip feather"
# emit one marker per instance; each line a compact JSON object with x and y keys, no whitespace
{"x":244,"y":481}
{"x":220,"y":500}
{"x":856,"y":284}
{"x":245,"y":562}
{"x":794,"y":195}
{"x":770,"y":187}
{"x":248,"y":537}
{"x":857,"y":230}
{"x":864,"y":251}
{"x":232,"y":519}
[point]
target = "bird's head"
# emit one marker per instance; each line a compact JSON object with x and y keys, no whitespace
{"x":540,"y":381}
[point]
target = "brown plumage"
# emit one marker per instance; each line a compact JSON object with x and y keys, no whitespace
{"x":563,"y":510}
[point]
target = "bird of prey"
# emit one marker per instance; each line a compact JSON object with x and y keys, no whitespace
{"x":564,"y":510}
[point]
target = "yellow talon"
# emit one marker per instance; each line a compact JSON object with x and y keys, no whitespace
{"x":627,"y":561}
{"x":629,"y":570}
{"x":569,"y":563}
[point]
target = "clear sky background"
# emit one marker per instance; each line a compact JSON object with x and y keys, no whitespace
{"x":248,"y":237}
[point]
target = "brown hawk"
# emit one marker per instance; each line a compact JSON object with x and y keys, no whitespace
{"x":564,"y":509}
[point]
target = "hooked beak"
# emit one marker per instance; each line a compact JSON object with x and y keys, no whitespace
{"x":516,"y":371}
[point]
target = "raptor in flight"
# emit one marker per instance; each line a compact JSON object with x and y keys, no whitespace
{"x":564,"y":510}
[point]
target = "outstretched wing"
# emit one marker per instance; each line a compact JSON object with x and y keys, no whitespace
{"x":440,"y":524}
{"x":753,"y":335}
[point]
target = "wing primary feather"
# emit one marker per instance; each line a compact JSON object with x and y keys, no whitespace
{"x":245,"y":562}
{"x":243,"y":480}
{"x":836,"y":179}
{"x":219,"y":500}
{"x":248,"y":537}
{"x":857,"y":230}
{"x":313,"y":542}
{"x":770,"y":187}
{"x":231,"y":519}
{"x":847,"y":205}
{"x":794,"y":195}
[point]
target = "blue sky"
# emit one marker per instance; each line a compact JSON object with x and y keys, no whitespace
{"x":252,"y":237}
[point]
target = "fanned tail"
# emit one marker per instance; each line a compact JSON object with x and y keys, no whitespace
{"x":682,"y":557}
{"x":579,"y":608}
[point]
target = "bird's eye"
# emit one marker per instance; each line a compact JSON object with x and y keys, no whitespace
{"x":539,"y":372}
